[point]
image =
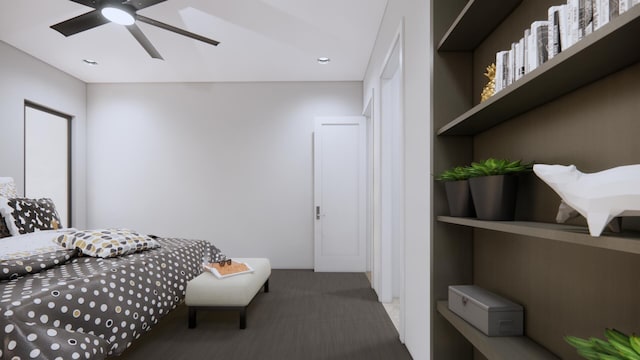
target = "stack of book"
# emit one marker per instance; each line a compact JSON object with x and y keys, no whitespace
{"x":566,"y":25}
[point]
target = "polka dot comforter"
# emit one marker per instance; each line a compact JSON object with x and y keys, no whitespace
{"x":63,"y":305}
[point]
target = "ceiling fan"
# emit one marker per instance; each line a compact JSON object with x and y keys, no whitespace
{"x":124,"y":13}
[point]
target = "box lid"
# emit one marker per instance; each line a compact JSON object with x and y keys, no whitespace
{"x":484,"y":298}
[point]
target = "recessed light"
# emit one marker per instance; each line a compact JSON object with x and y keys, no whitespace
{"x":323,"y":60}
{"x":90,"y":62}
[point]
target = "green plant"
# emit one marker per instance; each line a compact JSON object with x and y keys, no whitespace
{"x":618,"y":346}
{"x":455,"y":174}
{"x":493,"y":166}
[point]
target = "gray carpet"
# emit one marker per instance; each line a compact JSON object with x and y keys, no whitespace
{"x":306,"y":315}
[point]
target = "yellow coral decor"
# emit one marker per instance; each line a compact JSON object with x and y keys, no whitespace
{"x":490,"y":88}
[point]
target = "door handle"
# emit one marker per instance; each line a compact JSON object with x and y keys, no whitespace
{"x":317,"y":212}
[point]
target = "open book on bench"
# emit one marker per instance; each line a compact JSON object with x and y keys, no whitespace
{"x":223,"y":271}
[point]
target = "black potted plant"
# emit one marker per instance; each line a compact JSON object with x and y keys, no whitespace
{"x":494,"y":187}
{"x":456,"y":186}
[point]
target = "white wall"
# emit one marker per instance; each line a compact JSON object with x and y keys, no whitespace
{"x":22,"y":77}
{"x":417,"y":119}
{"x":226,"y":162}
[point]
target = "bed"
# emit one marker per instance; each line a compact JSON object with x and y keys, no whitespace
{"x":85,"y":294}
{"x":60,"y":304}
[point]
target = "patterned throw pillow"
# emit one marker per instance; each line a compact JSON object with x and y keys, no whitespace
{"x":7,"y":188}
{"x":23,"y":216}
{"x":107,"y":243}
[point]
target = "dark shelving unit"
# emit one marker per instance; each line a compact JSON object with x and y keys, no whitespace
{"x":599,"y":54}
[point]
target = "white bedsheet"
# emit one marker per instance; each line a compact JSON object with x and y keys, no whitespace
{"x":31,"y":242}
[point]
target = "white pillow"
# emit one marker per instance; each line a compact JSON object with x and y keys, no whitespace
{"x":30,"y":243}
{"x":8,"y":187}
{"x":7,"y":190}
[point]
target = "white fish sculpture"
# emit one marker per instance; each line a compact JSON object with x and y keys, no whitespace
{"x":599,"y":197}
{"x":566,"y":212}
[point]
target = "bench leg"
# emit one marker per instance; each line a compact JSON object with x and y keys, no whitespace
{"x":266,"y":286}
{"x":243,"y":318}
{"x":192,"y":317}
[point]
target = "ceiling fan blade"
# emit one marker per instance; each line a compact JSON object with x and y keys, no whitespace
{"x":89,"y":3}
{"x":142,"y":39}
{"x":138,"y":4}
{"x":80,"y":23}
{"x":176,"y":30}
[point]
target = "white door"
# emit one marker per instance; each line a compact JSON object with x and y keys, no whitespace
{"x":340,"y":194}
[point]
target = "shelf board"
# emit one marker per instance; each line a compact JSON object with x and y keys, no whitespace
{"x":605,"y":51}
{"x":476,"y":21}
{"x":628,"y":242}
{"x":496,"y":348}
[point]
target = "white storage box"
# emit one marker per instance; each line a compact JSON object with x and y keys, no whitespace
{"x":490,"y":313}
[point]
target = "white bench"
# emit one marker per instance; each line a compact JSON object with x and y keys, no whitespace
{"x":207,"y":292}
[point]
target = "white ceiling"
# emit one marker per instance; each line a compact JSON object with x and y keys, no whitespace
{"x":260,"y":40}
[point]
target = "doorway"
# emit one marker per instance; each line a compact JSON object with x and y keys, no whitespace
{"x":392,"y":184}
{"x":371,"y":191}
{"x":47,"y":157}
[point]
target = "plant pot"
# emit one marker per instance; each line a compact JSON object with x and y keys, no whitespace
{"x":494,"y":197}
{"x":459,"y":198}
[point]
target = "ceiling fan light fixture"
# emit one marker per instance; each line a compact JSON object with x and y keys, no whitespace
{"x":119,"y":14}
{"x":122,"y":12}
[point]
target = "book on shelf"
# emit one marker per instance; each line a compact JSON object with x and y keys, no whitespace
{"x":573,"y":22}
{"x":502,"y":69}
{"x":538,"y":44}
{"x":541,"y":29}
{"x":505,"y":69}
{"x":525,"y":50}
{"x":498,"y":77}
{"x":603,"y":12}
{"x":511,"y":71}
{"x":519,"y":59}
{"x":224,"y":271}
{"x":623,"y":6}
{"x":532,"y":51}
{"x":586,"y":20}
{"x":565,"y":25}
{"x":595,"y":7}
{"x":612,"y":7}
{"x":557,"y":31}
